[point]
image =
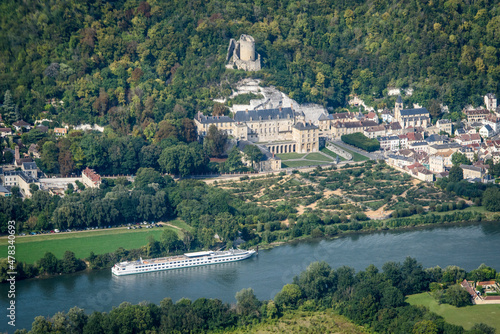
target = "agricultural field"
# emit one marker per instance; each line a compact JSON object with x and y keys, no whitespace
{"x":31,"y":248}
{"x":463,"y":316}
{"x":372,"y":188}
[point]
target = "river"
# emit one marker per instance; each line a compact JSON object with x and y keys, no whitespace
{"x":464,"y":245}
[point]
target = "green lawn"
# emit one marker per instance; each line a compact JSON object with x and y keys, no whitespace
{"x":317,"y":157}
{"x":181,"y":224}
{"x":330,"y":153}
{"x":463,"y":316}
{"x":288,"y":156}
{"x":355,"y":156}
{"x":32,"y":248}
{"x":301,"y":163}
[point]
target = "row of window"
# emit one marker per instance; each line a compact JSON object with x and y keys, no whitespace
{"x":176,"y":264}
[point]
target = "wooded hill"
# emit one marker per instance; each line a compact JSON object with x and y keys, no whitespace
{"x":131,"y":63}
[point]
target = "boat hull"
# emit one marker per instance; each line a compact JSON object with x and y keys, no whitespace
{"x":152,"y":265}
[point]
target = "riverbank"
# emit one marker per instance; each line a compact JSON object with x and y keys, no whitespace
{"x":412,"y":224}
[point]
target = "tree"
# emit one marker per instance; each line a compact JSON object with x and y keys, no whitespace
{"x":425,"y":327}
{"x":147,"y":176}
{"x":70,"y":264}
{"x":50,"y":156}
{"x":288,"y":297}
{"x":458,"y":158}
{"x":491,"y":199}
{"x":456,"y":174}
{"x":233,"y":161}
{"x":457,"y":296}
{"x":317,"y":280}
{"x":49,"y":264}
{"x":246,"y":302}
{"x":215,"y":141}
{"x":481,"y":328}
{"x":169,"y":240}
{"x":253,"y":154}
{"x":9,"y":108}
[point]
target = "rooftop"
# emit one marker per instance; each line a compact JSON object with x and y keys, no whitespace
{"x":264,"y":114}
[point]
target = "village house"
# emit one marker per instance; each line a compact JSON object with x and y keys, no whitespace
{"x":4,"y":132}
{"x":375,"y":131}
{"x":58,"y":132}
{"x":433,"y":149}
{"x":399,"y":160}
{"x":486,"y":131}
{"x":19,"y":125}
{"x":419,"y":147}
{"x":476,"y":115}
{"x":90,"y":178}
{"x":467,"y":139}
{"x":493,"y":121}
{"x":436,"y":163}
{"x":403,"y":141}
{"x":19,"y":178}
{"x":346,"y":128}
{"x":387,"y":116}
{"x":490,"y":101}
{"x":445,"y":125}
{"x":389,"y":143}
{"x":436,"y":139}
{"x":473,"y":172}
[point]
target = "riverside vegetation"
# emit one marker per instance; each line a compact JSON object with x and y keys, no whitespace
{"x":261,"y":210}
{"x":369,"y":298}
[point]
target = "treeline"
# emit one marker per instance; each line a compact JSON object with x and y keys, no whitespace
{"x":49,"y":264}
{"x":361,"y":141}
{"x":370,"y":298}
{"x":134,"y":64}
{"x":487,"y":195}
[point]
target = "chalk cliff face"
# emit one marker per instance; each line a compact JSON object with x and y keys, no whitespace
{"x":242,"y":55}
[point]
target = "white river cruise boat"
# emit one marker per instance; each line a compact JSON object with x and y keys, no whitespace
{"x":180,"y":261}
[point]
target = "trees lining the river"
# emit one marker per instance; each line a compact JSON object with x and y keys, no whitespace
{"x":371,"y":298}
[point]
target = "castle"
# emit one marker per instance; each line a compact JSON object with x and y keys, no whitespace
{"x":279,"y":130}
{"x":242,"y":55}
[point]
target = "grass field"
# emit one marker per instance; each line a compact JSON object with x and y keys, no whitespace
{"x":463,"y":316}
{"x":305,"y":322}
{"x":330,"y":153}
{"x":301,"y":163}
{"x":31,"y":248}
{"x":355,"y":156}
{"x":288,"y":156}
{"x":318,"y":157}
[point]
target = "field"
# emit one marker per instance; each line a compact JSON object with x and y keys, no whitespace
{"x":330,"y":153}
{"x":355,"y":156}
{"x":31,"y":248}
{"x":463,"y":316}
{"x":305,"y":322}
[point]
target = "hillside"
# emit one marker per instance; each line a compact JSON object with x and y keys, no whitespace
{"x":131,"y":63}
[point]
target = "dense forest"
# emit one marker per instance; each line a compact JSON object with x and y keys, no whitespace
{"x":133,"y":64}
{"x":371,"y":298}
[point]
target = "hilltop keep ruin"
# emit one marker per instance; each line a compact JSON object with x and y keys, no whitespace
{"x":242,"y":55}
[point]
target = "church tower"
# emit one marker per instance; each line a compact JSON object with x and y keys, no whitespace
{"x":397,"y":108}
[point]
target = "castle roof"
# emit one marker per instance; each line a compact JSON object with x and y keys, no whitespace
{"x":214,"y":119}
{"x":264,"y":114}
{"x":308,"y":126}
